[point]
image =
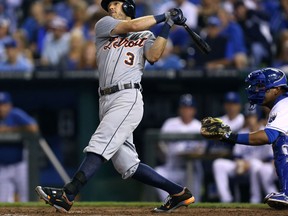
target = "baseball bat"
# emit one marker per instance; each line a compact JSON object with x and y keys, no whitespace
{"x":198,"y":41}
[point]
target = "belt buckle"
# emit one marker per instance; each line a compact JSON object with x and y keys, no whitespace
{"x":106,"y":91}
{"x":127,"y":86}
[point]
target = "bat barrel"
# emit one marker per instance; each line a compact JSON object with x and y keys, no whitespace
{"x":198,"y":41}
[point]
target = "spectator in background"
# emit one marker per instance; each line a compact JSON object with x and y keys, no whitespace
{"x":56,"y":44}
{"x":23,"y":45}
{"x":279,"y":17}
{"x":79,"y":18}
{"x":228,"y":5}
{"x":259,"y":41}
{"x":221,"y":55}
{"x":94,"y":7}
{"x":207,"y":9}
{"x":4,"y":36}
{"x":64,"y":9}
{"x":235,"y":36}
{"x":72,"y":60}
{"x":281,"y":57}
{"x":13,"y":11}
{"x":168,"y":61}
{"x":174,"y":166}
{"x":257,"y":162}
{"x":88,"y":61}
{"x":143,"y":7}
{"x":13,"y":164}
{"x":36,"y":26}
{"x":16,"y":61}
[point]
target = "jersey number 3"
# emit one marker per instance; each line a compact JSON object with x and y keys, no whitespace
{"x":130,"y":60}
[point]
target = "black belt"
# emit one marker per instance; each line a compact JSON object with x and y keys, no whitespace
{"x":113,"y":89}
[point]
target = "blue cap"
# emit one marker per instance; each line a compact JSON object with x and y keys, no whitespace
{"x":10,"y":43}
{"x":214,"y":21}
{"x":232,"y":97}
{"x":5,"y":97}
{"x":187,"y":100}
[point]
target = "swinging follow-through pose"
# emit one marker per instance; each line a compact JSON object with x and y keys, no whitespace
{"x":123,"y":44}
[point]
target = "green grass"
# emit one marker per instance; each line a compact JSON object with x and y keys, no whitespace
{"x":138,"y":204}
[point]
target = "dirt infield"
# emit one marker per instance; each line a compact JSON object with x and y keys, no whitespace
{"x":141,"y":211}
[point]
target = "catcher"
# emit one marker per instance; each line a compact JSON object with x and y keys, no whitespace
{"x":267,"y":87}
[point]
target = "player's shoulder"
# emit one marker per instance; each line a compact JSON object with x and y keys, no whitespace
{"x":104,"y":21}
{"x":282,"y":103}
{"x":280,"y":106}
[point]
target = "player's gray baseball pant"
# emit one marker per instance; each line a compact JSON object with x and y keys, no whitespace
{"x":120,"y":114}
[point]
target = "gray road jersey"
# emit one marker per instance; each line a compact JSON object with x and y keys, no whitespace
{"x":120,"y":58}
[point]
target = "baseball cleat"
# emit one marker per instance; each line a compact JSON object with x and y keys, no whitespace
{"x":277,"y":200}
{"x":175,"y":201}
{"x":55,"y":197}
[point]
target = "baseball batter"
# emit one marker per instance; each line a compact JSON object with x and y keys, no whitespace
{"x":267,"y":87}
{"x":123,"y":45}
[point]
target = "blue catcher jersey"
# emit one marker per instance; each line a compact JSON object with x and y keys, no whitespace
{"x":278,"y":120}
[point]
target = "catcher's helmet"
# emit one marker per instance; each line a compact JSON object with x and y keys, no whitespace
{"x":262,"y":80}
{"x":128,"y":6}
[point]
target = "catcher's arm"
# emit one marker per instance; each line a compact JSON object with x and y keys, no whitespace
{"x":215,"y":129}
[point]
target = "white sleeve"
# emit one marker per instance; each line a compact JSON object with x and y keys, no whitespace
{"x":105,"y":25}
{"x":278,"y":119}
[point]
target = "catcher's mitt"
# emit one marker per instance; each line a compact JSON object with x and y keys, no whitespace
{"x":214,"y":128}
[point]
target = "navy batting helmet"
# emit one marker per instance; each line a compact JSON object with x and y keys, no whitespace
{"x":128,"y":7}
{"x":261,"y":80}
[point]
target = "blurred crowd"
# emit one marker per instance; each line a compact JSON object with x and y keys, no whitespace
{"x":59,"y":35}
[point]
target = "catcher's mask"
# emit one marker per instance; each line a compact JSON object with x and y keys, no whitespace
{"x":128,"y":6}
{"x":262,"y":80}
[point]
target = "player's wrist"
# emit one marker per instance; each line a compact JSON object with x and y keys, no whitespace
{"x":230,"y":138}
{"x":165,"y":31}
{"x":243,"y":138}
{"x":160,"y":18}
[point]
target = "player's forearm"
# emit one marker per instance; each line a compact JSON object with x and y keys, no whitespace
{"x":156,"y":50}
{"x":258,"y":138}
{"x":139,"y":24}
{"x":143,"y":23}
{"x":253,"y":138}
